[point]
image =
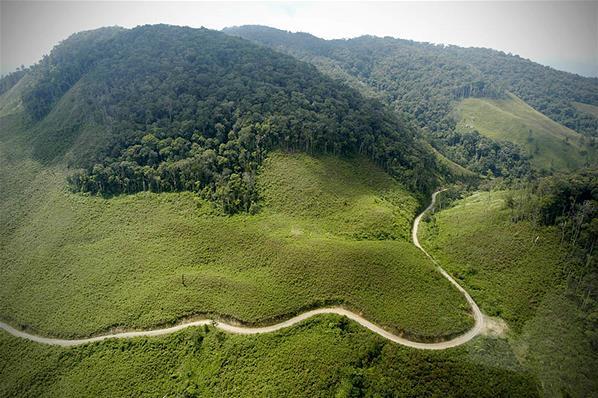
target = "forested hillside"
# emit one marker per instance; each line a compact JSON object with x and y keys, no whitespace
{"x":550,"y":91}
{"x":425,"y":81}
{"x":165,"y":108}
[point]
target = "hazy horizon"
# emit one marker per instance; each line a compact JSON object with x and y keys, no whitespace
{"x":563,"y":35}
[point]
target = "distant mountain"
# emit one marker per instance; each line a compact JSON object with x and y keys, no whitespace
{"x":166,"y":108}
{"x":426,"y":81}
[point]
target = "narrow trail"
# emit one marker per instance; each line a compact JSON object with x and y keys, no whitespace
{"x":473,"y":332}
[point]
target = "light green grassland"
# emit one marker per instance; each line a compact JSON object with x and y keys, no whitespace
{"x":508,"y":267}
{"x":587,"y":108}
{"x":551,"y":145}
{"x":331,"y":231}
{"x":322,"y":357}
{"x":515,"y":271}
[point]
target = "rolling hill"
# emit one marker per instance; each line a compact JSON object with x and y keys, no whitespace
{"x":165,"y":108}
{"x":526,"y":273}
{"x":160,"y":174}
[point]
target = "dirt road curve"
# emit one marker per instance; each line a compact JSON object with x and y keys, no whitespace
{"x":477,"y":328}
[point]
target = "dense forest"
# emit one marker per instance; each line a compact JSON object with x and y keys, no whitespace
{"x":423,"y":81}
{"x":194,"y":109}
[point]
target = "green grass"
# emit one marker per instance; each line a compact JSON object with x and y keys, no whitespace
{"x":587,"y":108}
{"x":346,"y":198}
{"x":515,"y":271}
{"x":453,"y":168}
{"x":507,"y":267}
{"x":10,"y":101}
{"x":550,"y":145}
{"x":331,"y":231}
{"x":323,"y":357}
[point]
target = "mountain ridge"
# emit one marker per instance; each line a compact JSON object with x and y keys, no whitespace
{"x":424,"y":81}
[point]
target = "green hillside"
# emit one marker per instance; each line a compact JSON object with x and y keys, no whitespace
{"x":322,"y":357}
{"x":423,"y":79}
{"x":160,"y":174}
{"x":425,"y":82}
{"x":549,"y":144}
{"x":324,"y":230}
{"x":518,"y":272}
{"x":166,"y":109}
{"x":74,"y":264}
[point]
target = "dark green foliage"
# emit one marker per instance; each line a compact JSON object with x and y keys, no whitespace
{"x":194,"y":109}
{"x":410,"y":75}
{"x":566,"y":196}
{"x":484,"y":155}
{"x":569,"y":202}
{"x":424,"y":81}
{"x":57,"y":73}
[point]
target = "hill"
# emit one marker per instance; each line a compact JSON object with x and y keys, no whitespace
{"x":550,"y":145}
{"x":163,"y":108}
{"x":161,"y":173}
{"x":75,"y":264}
{"x":198,"y":118}
{"x":426,"y":81}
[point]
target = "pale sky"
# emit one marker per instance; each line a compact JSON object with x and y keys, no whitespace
{"x":560,"y":34}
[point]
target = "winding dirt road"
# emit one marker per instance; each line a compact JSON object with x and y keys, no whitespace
{"x":477,"y":314}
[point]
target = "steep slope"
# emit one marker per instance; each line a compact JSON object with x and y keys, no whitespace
{"x":165,"y":108}
{"x":426,"y":81}
{"x":550,"y":145}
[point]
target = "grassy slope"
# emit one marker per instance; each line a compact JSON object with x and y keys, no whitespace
{"x":324,"y":357}
{"x":77,"y":265}
{"x":454,"y":169}
{"x":550,"y":144}
{"x":10,"y":101}
{"x":514,"y":271}
{"x":114,"y":260}
{"x":588,"y":108}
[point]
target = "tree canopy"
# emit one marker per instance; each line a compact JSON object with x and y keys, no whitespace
{"x":423,"y":81}
{"x":195,"y":109}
